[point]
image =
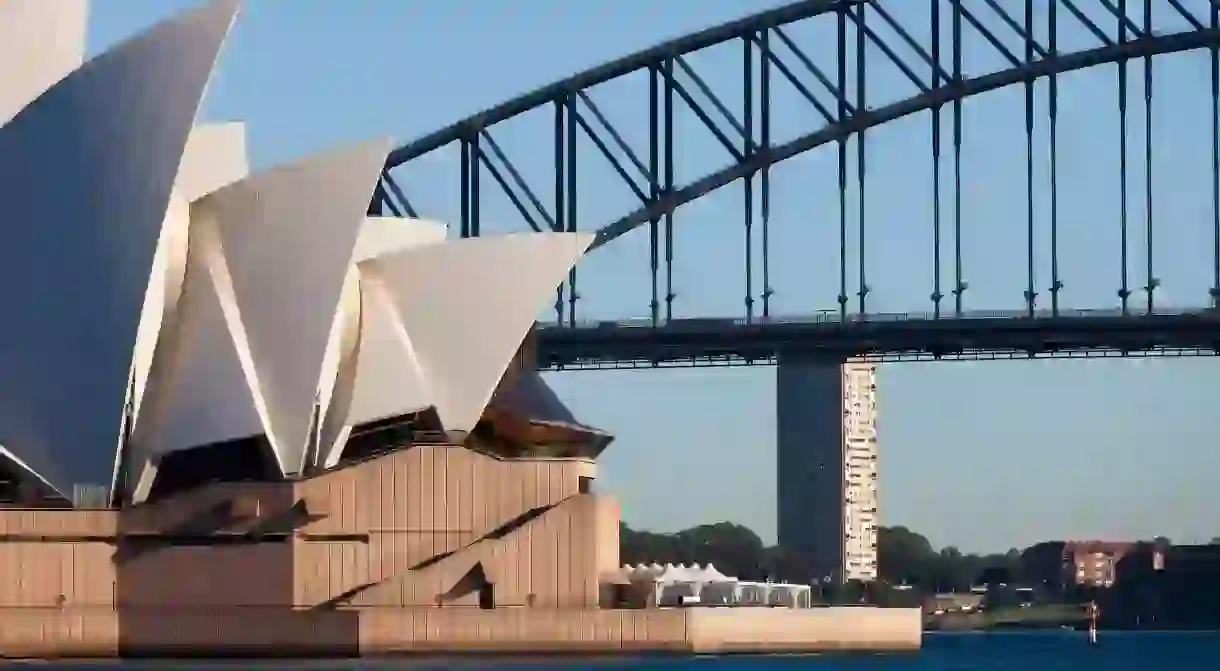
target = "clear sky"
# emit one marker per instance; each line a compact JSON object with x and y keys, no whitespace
{"x":980,"y":455}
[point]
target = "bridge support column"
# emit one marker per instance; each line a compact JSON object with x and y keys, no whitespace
{"x":827,"y":465}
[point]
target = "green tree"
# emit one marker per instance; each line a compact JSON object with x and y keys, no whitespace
{"x":905,"y":557}
{"x":734,"y":549}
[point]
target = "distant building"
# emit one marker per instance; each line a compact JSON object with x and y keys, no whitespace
{"x":1093,"y":563}
{"x":1057,"y":565}
{"x":827,"y":466}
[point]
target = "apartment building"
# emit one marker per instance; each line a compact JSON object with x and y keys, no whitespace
{"x":860,"y":470}
{"x":1060,"y":565}
{"x":827,"y":466}
{"x":1093,"y":563}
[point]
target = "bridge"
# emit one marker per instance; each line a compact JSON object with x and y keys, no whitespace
{"x":712,"y":342}
{"x":834,"y":78}
{"x":1025,"y":38}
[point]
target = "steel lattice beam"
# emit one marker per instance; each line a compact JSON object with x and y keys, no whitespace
{"x":936,"y":64}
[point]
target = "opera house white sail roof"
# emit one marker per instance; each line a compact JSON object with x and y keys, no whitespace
{"x":159,"y":297}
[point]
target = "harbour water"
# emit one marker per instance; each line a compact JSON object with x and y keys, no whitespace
{"x":1008,"y":651}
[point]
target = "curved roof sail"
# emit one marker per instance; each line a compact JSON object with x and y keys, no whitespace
{"x":47,"y":39}
{"x":215,"y":156}
{"x":99,"y":153}
{"x":384,"y":235}
{"x":368,"y":352}
{"x":465,"y":308}
{"x":273,"y":252}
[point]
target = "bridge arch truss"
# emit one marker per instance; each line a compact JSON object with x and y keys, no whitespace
{"x":1023,"y":35}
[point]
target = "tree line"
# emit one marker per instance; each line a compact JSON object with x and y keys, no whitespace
{"x":904,"y":556}
{"x":911,"y":569}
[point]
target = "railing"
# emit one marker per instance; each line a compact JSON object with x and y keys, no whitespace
{"x":836,"y":317}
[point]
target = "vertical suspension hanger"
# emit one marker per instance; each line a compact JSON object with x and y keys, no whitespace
{"x":559,"y":199}
{"x":842,"y":43}
{"x":959,"y":284}
{"x":1031,"y":293}
{"x":861,"y":108}
{"x":747,"y":66}
{"x":1052,"y":30}
{"x":1152,"y":281}
{"x":765,"y":185}
{"x":1124,"y":292}
{"x":1215,"y":58}
{"x":936,"y":83}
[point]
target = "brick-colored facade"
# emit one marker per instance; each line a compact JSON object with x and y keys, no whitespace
{"x":430,"y":526}
{"x":427,"y":549}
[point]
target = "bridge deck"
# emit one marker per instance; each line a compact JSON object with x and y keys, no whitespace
{"x":599,"y":344}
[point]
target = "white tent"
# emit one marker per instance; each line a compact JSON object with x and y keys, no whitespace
{"x":754,"y":593}
{"x":710,"y":574}
{"x":677,"y":584}
{"x":791,"y":596}
{"x":775,"y":594}
{"x":642,"y":572}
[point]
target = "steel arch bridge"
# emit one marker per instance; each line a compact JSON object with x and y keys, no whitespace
{"x":933,"y":50}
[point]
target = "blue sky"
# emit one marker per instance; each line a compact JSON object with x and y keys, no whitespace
{"x":981,"y":455}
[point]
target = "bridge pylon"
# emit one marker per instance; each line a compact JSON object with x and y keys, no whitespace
{"x":826,"y":477}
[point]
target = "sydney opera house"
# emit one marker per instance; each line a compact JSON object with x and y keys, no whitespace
{"x":240,"y":416}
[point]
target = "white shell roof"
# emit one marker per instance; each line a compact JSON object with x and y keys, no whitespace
{"x":462,"y":310}
{"x":269,"y":259}
{"x":440,"y":324}
{"x":217,"y":304}
{"x":215,"y":156}
{"x":47,"y":39}
{"x":100,"y":151}
{"x":368,"y":352}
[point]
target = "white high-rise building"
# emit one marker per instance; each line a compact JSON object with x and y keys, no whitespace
{"x":859,"y":471}
{"x":827,"y":465}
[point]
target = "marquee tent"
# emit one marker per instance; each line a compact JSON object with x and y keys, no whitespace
{"x":674,"y":584}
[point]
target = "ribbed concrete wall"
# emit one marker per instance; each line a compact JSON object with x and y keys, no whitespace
{"x":346,"y":529}
{"x":414,"y":505}
{"x":385,"y":631}
{"x":332,"y":566}
{"x":551,"y":561}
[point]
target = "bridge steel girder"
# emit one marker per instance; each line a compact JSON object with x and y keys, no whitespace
{"x":681,"y":46}
{"x":746,"y":134}
{"x":1157,"y":45}
{"x":560,"y":348}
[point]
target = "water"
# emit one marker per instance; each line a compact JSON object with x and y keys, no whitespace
{"x":1036,"y":651}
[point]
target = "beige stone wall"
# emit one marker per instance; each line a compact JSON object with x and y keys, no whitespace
{"x":439,"y":630}
{"x":257,"y":575}
{"x":353,"y":540}
{"x":380,"y":631}
{"x":234,"y":632}
{"x":712,"y":630}
{"x":45,"y":632}
{"x":343,"y":530}
{"x":223,"y":507}
{"x":608,"y":542}
{"x":414,"y":505}
{"x":550,"y":561}
{"x":54,"y":557}
{"x":43,"y":575}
